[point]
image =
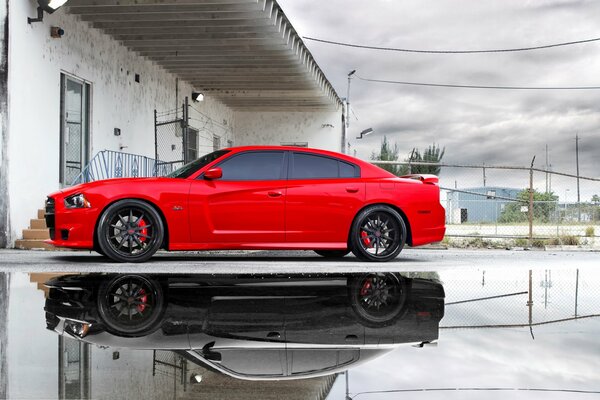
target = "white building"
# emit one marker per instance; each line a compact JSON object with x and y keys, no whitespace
{"x":90,"y":76}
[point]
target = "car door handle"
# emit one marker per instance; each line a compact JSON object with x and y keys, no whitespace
{"x":351,"y":189}
{"x":275,"y":194}
{"x":274,"y":335}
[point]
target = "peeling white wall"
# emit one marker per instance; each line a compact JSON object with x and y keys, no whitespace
{"x":36,"y":61}
{"x":320,"y":129}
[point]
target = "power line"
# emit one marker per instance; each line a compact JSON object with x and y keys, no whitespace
{"x":477,"y":389}
{"x":448,"y":85}
{"x":509,"y":50}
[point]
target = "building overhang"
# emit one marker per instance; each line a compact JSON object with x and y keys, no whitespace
{"x":245,"y":53}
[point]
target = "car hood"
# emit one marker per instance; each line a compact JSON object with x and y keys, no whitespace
{"x":109,"y":182}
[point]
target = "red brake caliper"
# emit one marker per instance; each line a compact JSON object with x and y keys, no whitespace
{"x":143,"y":300}
{"x":365,"y":287}
{"x":365,"y":238}
{"x":144,"y":231}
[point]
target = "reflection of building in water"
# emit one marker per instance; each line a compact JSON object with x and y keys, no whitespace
{"x":66,"y":368}
{"x":3,"y":333}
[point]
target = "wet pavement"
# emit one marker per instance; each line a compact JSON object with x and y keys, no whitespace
{"x":293,"y":261}
{"x":427,"y":333}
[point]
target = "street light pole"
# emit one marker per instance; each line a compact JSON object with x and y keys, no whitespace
{"x":346,"y":126}
{"x":577,"y":162}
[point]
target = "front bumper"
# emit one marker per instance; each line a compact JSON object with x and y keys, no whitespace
{"x":72,"y":228}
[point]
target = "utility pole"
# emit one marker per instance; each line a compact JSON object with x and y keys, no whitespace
{"x":484,"y":175}
{"x":347,"y":112}
{"x":547,"y":168}
{"x":577,"y":162}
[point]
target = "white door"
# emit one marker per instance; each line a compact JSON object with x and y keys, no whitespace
{"x":74,"y":129}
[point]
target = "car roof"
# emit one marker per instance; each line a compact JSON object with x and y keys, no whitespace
{"x":367,"y":169}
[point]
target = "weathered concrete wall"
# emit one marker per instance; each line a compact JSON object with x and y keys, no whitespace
{"x":4,"y":200}
{"x":117,"y":101}
{"x":318,"y":129}
{"x":4,"y":295}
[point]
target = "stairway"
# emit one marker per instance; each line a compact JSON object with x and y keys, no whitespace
{"x":33,"y":238}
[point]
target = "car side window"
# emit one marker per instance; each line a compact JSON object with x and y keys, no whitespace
{"x":253,"y":166}
{"x":312,"y":166}
{"x":347,"y":170}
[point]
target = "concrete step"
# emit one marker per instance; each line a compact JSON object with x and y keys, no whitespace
{"x":30,"y":244}
{"x":41,"y":213}
{"x":41,"y":234}
{"x":37,"y":224}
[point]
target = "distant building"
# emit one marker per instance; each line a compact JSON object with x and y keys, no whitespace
{"x":480,"y":204}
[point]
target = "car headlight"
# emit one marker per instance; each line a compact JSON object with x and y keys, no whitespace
{"x":77,"y":201}
{"x":76,"y":328}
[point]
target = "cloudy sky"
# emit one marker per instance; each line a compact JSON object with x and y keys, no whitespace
{"x":475,"y":126}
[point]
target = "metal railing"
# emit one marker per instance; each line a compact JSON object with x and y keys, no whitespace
{"x":108,"y":164}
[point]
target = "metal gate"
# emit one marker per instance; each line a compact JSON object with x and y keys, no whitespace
{"x":171,"y":139}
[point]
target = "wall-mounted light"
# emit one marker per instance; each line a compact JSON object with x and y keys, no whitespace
{"x":46,"y":5}
{"x":366,"y":132}
{"x":56,"y":32}
{"x":197,"y":96}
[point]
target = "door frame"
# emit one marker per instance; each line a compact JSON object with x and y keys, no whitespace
{"x":86,"y":125}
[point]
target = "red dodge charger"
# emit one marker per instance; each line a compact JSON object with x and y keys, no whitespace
{"x":258,"y":197}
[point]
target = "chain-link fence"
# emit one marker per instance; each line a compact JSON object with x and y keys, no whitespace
{"x":183,"y":134}
{"x":517,"y":203}
{"x":526,"y":300}
{"x":169,"y":132}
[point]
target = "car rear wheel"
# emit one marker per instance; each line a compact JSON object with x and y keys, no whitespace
{"x":130,"y":304}
{"x":378,"y":234}
{"x":378,"y":299}
{"x":130,"y":231}
{"x":332,"y":253}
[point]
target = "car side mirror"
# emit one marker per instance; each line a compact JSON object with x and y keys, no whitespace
{"x":213,"y":173}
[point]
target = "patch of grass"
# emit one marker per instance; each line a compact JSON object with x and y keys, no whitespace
{"x":569,"y":240}
{"x":565,"y":240}
{"x":538,"y":243}
{"x":521,"y":242}
{"x":590,"y":231}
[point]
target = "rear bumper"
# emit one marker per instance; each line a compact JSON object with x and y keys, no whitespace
{"x":429,"y":235}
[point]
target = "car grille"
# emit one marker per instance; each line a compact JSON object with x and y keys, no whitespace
{"x":50,"y":220}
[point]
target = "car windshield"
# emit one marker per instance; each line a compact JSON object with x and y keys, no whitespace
{"x":189,"y":168}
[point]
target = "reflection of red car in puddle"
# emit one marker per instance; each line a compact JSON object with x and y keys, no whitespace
{"x":251,"y":327}
{"x":266,"y":197}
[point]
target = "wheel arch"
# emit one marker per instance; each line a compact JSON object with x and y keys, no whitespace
{"x":393,"y":206}
{"x":165,"y":243}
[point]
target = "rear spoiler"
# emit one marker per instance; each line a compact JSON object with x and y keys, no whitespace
{"x":425,"y":178}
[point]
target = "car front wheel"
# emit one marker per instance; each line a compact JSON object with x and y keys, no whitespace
{"x":378,"y":234}
{"x":130,"y":231}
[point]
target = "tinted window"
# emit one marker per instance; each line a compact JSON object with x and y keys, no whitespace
{"x":347,"y":170}
{"x":195,"y":165}
{"x":307,"y":166}
{"x":253,"y":166}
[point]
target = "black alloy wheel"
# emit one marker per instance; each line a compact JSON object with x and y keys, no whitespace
{"x":378,"y":234}
{"x":332,"y":253}
{"x":378,"y":299}
{"x":130,"y":231}
{"x":130,"y":304}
